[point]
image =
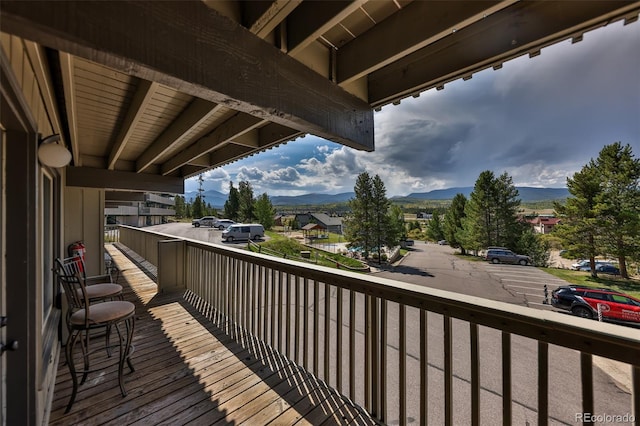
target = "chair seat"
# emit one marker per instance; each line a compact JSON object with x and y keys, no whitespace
{"x":103,"y":313}
{"x":103,"y":291}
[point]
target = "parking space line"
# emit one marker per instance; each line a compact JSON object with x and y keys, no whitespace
{"x":524,"y":286}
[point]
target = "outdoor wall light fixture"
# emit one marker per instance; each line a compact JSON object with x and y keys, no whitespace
{"x":53,"y":154}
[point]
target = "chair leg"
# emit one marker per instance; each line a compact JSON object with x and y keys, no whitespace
{"x":85,"y":354}
{"x":125,"y":348}
{"x":71,"y":341}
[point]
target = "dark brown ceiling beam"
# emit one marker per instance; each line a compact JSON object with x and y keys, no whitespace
{"x":183,"y":45}
{"x":523,"y":28}
{"x":197,"y":112}
{"x":417,"y":25}
{"x":233,"y":127}
{"x":88,"y":177}
{"x":313,"y":18}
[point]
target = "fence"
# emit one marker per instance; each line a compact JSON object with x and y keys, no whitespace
{"x":406,"y":352}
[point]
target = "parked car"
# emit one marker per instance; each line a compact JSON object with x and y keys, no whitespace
{"x":506,"y":256}
{"x":585,"y":265}
{"x":204,"y":221}
{"x":443,"y":242}
{"x":607,"y":269}
{"x":223,"y":223}
{"x":584,"y":301}
{"x":243,"y":231}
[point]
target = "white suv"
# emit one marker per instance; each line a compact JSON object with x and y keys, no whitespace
{"x":223,"y":223}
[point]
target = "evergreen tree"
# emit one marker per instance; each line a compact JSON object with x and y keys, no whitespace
{"x":180,"y":207}
{"x":359,"y":223}
{"x":435,"y":228}
{"x":491,"y":213}
{"x":197,"y":209}
{"x":264,"y":211}
{"x":618,"y":203}
{"x":453,"y":222}
{"x":383,"y":233}
{"x":397,"y":222}
{"x":508,"y":228}
{"x":479,"y":213}
{"x":245,"y":198}
{"x":232,"y":205}
{"x":578,"y":226}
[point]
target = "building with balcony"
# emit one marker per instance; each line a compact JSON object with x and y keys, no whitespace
{"x":138,"y":96}
{"x":137,"y":209}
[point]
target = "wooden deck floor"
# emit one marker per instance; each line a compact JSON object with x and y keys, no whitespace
{"x":188,"y":371}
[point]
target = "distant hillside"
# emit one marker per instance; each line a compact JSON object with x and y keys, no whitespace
{"x":311,"y":199}
{"x":526,"y":194}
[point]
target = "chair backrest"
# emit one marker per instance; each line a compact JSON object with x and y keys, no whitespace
{"x":70,"y":272}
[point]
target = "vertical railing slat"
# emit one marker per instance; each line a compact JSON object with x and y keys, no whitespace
{"x":352,"y":345}
{"x":543,"y":383}
{"x":506,"y":378}
{"x":424,"y":369}
{"x":287,"y":285}
{"x":475,"y":374}
{"x":296,"y":321}
{"x":586,"y":379}
{"x":339,"y":305}
{"x":367,"y":352}
{"x":316,"y":320}
{"x":448,"y":372}
{"x":403,"y":363}
{"x":635,"y":392}
{"x":327,"y":332}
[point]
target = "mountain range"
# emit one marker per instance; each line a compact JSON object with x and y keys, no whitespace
{"x":526,"y":194}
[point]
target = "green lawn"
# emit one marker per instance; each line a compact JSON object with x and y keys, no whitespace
{"x":292,"y":248}
{"x":630,"y":286}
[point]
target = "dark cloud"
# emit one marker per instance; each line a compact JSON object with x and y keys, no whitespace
{"x":539,"y":119}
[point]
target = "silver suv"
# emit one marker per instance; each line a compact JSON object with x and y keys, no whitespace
{"x":204,"y":221}
{"x":502,"y":255}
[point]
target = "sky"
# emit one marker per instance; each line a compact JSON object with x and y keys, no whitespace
{"x":538,"y":119}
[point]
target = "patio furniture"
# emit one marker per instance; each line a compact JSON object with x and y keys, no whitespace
{"x":87,"y":312}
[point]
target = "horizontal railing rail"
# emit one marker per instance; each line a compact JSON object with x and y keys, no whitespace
{"x":404,"y":351}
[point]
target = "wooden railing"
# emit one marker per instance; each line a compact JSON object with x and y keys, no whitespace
{"x":402,"y":351}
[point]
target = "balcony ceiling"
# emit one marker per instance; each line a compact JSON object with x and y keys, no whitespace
{"x":172,"y":89}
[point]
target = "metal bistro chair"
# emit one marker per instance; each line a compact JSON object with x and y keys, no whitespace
{"x":99,"y":288}
{"x":84,"y":316}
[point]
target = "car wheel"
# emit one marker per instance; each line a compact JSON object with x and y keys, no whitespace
{"x":256,"y":237}
{"x":523,"y":262}
{"x":221,"y":227}
{"x":230,"y":239}
{"x":495,"y":260}
{"x":582,"y":312}
{"x":197,"y":225}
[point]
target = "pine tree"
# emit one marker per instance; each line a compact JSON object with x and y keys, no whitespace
{"x":491,"y":213}
{"x":617,"y":205}
{"x":246,"y":201}
{"x":453,"y":222}
{"x":435,"y":228}
{"x":232,"y":205}
{"x":197,"y":209}
{"x":578,"y":228}
{"x":180,"y":207}
{"x":383,"y":233}
{"x":359,"y":223}
{"x":264,"y":211}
